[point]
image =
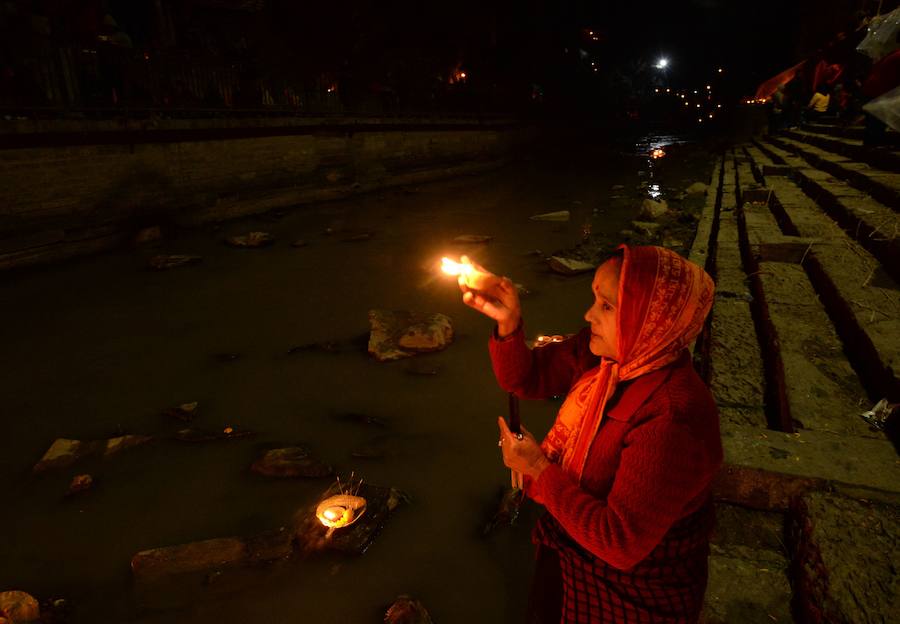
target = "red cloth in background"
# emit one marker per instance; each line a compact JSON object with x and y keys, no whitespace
{"x":884,"y":76}
{"x":629,"y":527}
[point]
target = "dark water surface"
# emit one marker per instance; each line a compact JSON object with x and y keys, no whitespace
{"x":97,"y":347}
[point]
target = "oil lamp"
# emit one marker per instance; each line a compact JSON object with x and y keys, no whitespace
{"x":340,"y":511}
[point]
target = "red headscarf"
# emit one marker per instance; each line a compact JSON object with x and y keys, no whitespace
{"x":663,"y":302}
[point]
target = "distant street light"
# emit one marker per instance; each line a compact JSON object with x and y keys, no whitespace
{"x":662,"y":63}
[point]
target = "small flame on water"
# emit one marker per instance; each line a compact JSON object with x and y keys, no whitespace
{"x":657,"y":153}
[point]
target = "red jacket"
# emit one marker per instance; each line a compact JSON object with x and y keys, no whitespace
{"x":651,"y":464}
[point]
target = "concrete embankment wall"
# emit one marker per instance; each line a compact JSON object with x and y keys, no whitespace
{"x":69,"y":188}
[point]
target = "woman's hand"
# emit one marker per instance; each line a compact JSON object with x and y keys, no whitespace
{"x":495,"y":297}
{"x":523,"y":455}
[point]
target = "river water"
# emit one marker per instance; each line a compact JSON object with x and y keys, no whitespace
{"x":101,"y":346}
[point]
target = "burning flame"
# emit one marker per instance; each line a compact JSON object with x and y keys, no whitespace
{"x":340,"y":510}
{"x":450,"y":267}
{"x":658,"y":153}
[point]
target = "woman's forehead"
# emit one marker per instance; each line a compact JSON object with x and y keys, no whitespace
{"x":606,"y":280}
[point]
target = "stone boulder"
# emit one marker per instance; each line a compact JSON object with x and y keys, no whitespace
{"x":407,"y":610}
{"x":19,"y":606}
{"x":65,"y":452}
{"x":397,"y":334}
{"x":473,"y":239}
{"x":206,"y":555}
{"x":251,"y":239}
{"x":697,"y":188}
{"x":312,"y":536}
{"x":647,"y":228}
{"x":569,"y":266}
{"x":290,"y":462}
{"x":559,"y":215}
{"x":164,"y":263}
{"x":653,"y":208}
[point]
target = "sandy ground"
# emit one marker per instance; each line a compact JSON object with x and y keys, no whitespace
{"x":101,"y":346}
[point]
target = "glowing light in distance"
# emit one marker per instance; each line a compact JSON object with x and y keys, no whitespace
{"x":657,"y":153}
{"x":662,"y":63}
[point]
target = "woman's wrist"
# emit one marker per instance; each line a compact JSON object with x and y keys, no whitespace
{"x":539,"y":466}
{"x":508,"y":327}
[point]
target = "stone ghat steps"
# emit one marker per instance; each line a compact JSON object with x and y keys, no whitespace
{"x":883,"y":158}
{"x":884,"y":186}
{"x":846,"y":132}
{"x":860,"y":292}
{"x":748,"y":568}
{"x":793,"y":354}
{"x":869,"y":222}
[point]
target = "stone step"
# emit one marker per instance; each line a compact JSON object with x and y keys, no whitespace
{"x":882,"y":158}
{"x":856,"y":133}
{"x":748,"y":568}
{"x":736,"y":366}
{"x":836,"y":130}
{"x":861,"y":299}
{"x":883,"y":186}
{"x":869,"y":222}
{"x":846,"y":555}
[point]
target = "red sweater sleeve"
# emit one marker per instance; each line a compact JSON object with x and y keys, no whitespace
{"x":543,"y":372}
{"x":665,"y":464}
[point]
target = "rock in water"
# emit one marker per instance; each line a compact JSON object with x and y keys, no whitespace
{"x":647,"y":228}
{"x":400,"y":334}
{"x":251,"y":239}
{"x":164,"y":263}
{"x":311,"y":536}
{"x":407,"y":610}
{"x":653,"y":208}
{"x":473,"y":239}
{"x":568,"y":266}
{"x":65,"y":452}
{"x":696,"y":188}
{"x":156,"y":563}
{"x":80,"y":483}
{"x":148,"y":235}
{"x":186,"y":412}
{"x":289,"y":462}
{"x":561,"y":215}
{"x":199,"y":435}
{"x":424,"y":337}
{"x":19,"y":606}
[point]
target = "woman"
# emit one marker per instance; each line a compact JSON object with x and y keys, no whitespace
{"x":626,"y":470}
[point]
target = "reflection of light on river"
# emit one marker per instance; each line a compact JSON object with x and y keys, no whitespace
{"x":654,"y":191}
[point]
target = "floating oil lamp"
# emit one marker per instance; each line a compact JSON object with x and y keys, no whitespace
{"x":340,"y":511}
{"x":657,"y":153}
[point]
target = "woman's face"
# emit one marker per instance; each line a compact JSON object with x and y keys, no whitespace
{"x":602,"y":315}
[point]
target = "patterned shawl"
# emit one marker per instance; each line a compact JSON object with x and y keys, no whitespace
{"x":663,"y":302}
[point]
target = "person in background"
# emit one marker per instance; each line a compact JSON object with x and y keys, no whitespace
{"x":626,"y":471}
{"x":776,"y":110}
{"x":818,"y":104}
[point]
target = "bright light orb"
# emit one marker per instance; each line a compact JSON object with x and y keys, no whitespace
{"x":662,"y":63}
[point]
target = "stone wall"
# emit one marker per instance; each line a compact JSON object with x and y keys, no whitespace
{"x":69,"y":188}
